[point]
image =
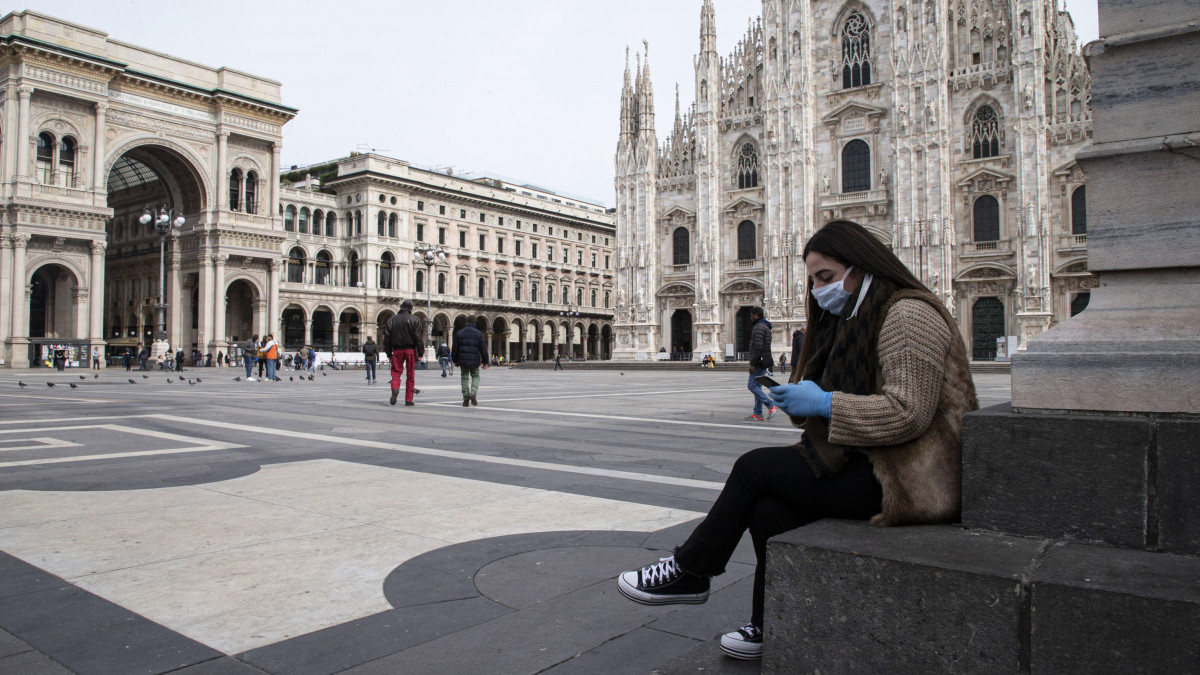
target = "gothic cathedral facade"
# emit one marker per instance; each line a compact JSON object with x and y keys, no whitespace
{"x":948,"y":129}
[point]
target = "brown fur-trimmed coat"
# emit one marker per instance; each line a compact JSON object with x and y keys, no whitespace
{"x":921,"y":473}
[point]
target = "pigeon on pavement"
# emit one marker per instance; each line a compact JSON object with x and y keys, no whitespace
{"x":49,"y":384}
{"x":21,"y":384}
{"x":291,"y":379}
{"x":74,"y":386}
{"x":132,"y":382}
{"x":237,"y":379}
{"x":82,"y":377}
{"x":145,"y":377}
{"x":191,"y":383}
{"x":199,"y":380}
{"x":169,"y":380}
{"x":95,"y":376}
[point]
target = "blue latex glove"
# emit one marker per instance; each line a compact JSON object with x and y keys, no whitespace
{"x":803,"y":399}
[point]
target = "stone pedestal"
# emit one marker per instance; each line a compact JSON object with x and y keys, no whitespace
{"x":1137,"y":346}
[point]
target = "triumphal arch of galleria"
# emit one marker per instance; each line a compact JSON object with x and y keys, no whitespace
{"x":93,"y":131}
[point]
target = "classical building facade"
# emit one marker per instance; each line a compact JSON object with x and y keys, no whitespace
{"x":947,"y":129}
{"x":93,"y":132}
{"x":537,"y":265}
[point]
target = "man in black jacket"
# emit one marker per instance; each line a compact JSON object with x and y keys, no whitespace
{"x":797,"y":345}
{"x":443,"y":354}
{"x":469,"y":353}
{"x":403,"y":338}
{"x":760,"y":361}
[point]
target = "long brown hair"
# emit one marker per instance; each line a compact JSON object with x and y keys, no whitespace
{"x":849,"y":244}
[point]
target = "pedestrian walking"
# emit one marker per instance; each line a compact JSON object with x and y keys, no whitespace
{"x":443,"y":353}
{"x":760,"y":361}
{"x":370,"y":356}
{"x":179,"y":356}
{"x":893,"y":457}
{"x":220,"y":359}
{"x":127,"y":358}
{"x":557,"y":362}
{"x":143,"y":357}
{"x":403,"y":336}
{"x":469,"y":353}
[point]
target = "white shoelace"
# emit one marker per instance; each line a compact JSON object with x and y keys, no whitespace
{"x":660,"y":572}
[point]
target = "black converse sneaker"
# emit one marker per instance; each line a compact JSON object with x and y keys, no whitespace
{"x":663,"y":583}
{"x":744,"y":643}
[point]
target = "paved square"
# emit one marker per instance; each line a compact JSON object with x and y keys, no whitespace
{"x":310,"y":527}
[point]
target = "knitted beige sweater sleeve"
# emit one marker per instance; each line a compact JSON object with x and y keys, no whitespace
{"x":913,"y":343}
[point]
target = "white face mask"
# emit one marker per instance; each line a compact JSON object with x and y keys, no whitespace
{"x":833,"y":297}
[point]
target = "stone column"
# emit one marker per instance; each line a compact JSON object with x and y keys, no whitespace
{"x":79,"y":295}
{"x":10,"y":151}
{"x":96,"y":327}
{"x":222,"y":172}
{"x":205,"y":298}
{"x":6,"y":294}
{"x":261,"y":320}
{"x":99,"y":184}
{"x":175,"y":299}
{"x":334,"y":338}
{"x":272,"y":325}
{"x":20,"y":302}
{"x":218,"y":339}
{"x":25,"y":92}
{"x":273,"y":192}
{"x":308,"y":331}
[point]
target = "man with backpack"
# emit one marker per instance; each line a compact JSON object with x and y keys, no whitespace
{"x":370,"y":356}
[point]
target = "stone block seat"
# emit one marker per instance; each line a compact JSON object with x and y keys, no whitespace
{"x":848,"y":597}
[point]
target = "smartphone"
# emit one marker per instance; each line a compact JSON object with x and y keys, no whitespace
{"x":766,"y":381}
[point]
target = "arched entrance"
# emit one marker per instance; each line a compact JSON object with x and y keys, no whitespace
{"x":292,"y":327}
{"x":381,"y":323}
{"x":322,"y":330}
{"x":240,"y":298}
{"x":348,"y":331}
{"x":681,"y":334}
{"x":987,"y":324}
{"x":606,"y":342}
{"x":155,"y":174}
{"x":499,"y":344}
{"x":593,"y":342}
{"x":57,"y":318}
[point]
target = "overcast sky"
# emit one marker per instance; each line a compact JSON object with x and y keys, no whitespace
{"x":527,"y":89}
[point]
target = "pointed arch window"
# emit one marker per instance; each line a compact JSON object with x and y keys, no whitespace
{"x":1079,"y":210}
{"x":856,"y":166}
{"x":385,"y":270}
{"x":986,"y":222}
{"x":66,"y":161}
{"x":985,"y":133}
{"x":747,"y":168}
{"x":682,"y":245}
{"x":747,"y":241}
{"x":235,"y":189}
{"x":856,"y":52}
{"x":251,"y":205}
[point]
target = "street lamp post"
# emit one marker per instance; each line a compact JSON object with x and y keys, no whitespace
{"x":162,"y":218}
{"x":430,"y":256}
{"x":568,"y":314}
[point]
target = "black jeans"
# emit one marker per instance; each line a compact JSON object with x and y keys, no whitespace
{"x":771,"y":491}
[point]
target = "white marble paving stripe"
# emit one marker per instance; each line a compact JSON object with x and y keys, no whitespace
{"x":451,"y":454}
{"x":41,"y":443}
{"x":196,"y":445}
{"x":88,"y":418}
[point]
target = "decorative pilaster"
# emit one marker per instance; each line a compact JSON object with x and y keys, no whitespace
{"x":273,"y":309}
{"x":25,"y":92}
{"x":218,"y":339}
{"x":96,"y":327}
{"x":6,"y":286}
{"x":222,"y":173}
{"x":273,"y":204}
{"x":98,"y":183}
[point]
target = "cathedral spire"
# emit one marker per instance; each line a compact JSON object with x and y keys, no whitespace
{"x":627,"y":102}
{"x":678,"y":119}
{"x":647,"y":102}
{"x":708,"y":28}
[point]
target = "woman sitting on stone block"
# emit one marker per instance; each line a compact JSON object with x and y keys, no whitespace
{"x":880,"y":391}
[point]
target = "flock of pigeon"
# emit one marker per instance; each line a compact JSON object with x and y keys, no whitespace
{"x":181,"y":380}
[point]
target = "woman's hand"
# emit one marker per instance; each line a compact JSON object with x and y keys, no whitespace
{"x":803,"y":399}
